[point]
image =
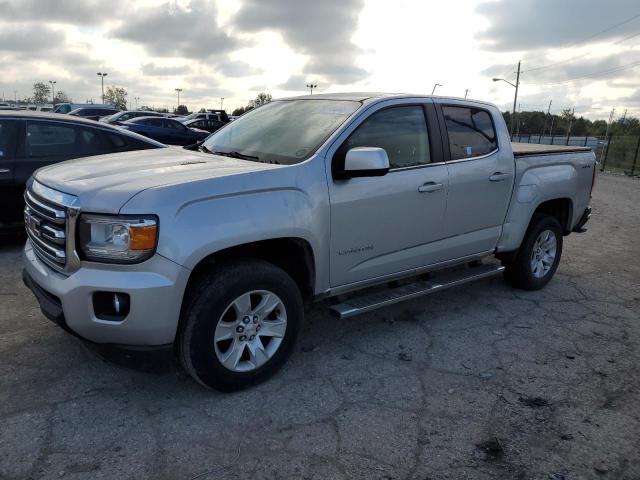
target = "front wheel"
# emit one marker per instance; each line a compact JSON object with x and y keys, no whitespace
{"x":239,"y":324}
{"x":539,"y":255}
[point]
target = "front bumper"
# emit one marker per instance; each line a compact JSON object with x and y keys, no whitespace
{"x":155,"y":287}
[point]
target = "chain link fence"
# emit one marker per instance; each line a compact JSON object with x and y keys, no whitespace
{"x":616,"y":153}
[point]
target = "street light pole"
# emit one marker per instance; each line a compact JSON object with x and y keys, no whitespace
{"x":221,"y":102}
{"x":515,"y":98}
{"x":311,"y":86}
{"x":136,"y":99}
{"x":435,"y":85}
{"x":178,"y":90}
{"x":53,"y":90}
{"x":466,"y":92}
{"x":102,"y":75}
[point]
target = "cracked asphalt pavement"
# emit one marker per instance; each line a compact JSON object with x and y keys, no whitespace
{"x":478,"y":382}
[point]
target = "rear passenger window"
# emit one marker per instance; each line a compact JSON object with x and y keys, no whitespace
{"x":471,"y":132}
{"x":45,"y":139}
{"x":400,"y":131}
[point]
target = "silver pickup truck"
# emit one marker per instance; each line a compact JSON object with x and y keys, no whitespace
{"x":367,"y":198}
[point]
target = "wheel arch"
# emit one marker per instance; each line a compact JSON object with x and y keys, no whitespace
{"x":294,"y":255}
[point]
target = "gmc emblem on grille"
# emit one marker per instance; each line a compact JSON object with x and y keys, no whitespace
{"x":32,"y":223}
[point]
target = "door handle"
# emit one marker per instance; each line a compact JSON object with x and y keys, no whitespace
{"x":429,"y":187}
{"x":499,"y":176}
{"x":5,"y":170}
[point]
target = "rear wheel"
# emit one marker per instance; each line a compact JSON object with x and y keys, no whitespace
{"x":240,"y":324}
{"x":539,"y":255}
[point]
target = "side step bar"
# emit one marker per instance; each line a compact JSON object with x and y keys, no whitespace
{"x":372,"y":301}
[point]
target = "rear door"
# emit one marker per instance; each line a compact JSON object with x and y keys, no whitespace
{"x":481,"y":177}
{"x":390,"y":224}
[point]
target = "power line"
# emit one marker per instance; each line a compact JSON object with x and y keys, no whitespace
{"x":586,"y":39}
{"x":570,"y":59}
{"x":601,"y":73}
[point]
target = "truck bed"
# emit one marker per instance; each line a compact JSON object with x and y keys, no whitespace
{"x":526,"y":149}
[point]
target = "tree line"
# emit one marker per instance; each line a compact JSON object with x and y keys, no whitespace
{"x":536,"y":123}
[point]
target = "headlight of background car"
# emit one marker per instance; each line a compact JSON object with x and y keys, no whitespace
{"x":117,"y":239}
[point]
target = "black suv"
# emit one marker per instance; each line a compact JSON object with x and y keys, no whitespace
{"x":30,"y":140}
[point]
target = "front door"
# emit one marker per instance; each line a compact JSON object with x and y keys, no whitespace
{"x":386,"y":225}
{"x":10,"y":193}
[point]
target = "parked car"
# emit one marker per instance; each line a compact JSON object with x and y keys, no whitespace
{"x":128,"y":115}
{"x":219,"y":115}
{"x":44,"y":108}
{"x":68,"y":107}
{"x":203,"y":124}
{"x":91,"y":113}
{"x":30,"y":140}
{"x":165,"y":130}
{"x":214,"y":252}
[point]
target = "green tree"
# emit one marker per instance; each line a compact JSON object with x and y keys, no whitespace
{"x":116,"y":96}
{"x":61,"y":97}
{"x":239,"y":111}
{"x":181,"y":110}
{"x":41,"y":92}
{"x":261,"y":99}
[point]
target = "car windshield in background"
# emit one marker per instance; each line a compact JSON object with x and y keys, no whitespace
{"x":283,"y":131}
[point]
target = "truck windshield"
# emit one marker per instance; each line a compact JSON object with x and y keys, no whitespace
{"x":283,"y":131}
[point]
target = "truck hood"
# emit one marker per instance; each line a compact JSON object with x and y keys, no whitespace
{"x":104,"y":183}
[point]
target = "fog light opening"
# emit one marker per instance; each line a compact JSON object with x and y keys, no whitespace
{"x":111,"y":306}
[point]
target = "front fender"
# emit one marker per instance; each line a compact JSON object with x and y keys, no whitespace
{"x":200,"y":218}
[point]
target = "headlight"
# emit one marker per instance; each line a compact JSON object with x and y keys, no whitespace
{"x":117,"y":239}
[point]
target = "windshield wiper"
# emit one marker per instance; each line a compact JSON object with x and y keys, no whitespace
{"x":239,"y":155}
{"x":204,"y":149}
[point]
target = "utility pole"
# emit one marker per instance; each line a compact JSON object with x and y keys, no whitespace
{"x":178,"y":90}
{"x":606,"y":134}
{"x":102,"y":75}
{"x":435,"y":85}
{"x":311,"y":86}
{"x":136,"y":99}
{"x":515,"y":98}
{"x":518,"y":124}
{"x":573,"y":111}
{"x":545,"y":119}
{"x":221,"y":102}
{"x":53,"y":90}
{"x":466,"y":91}
{"x":624,"y":119}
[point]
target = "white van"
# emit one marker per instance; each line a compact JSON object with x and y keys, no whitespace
{"x":67,"y":107}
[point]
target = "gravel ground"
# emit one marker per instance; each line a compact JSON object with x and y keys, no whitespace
{"x":477,"y":382}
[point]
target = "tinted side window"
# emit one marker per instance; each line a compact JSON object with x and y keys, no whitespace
{"x":175,"y":125}
{"x":8,"y":131}
{"x":153,"y":122}
{"x":136,"y":144}
{"x":92,"y":142}
{"x":400,"y":131}
{"x":45,"y":139}
{"x":471,"y":132}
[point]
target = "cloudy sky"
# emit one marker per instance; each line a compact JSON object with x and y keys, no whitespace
{"x":578,"y":53}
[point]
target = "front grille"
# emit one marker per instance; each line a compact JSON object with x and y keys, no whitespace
{"x":47,"y":224}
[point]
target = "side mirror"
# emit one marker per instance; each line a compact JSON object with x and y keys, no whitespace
{"x":366,"y":162}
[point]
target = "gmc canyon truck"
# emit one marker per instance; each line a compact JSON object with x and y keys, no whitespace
{"x":367,"y":198}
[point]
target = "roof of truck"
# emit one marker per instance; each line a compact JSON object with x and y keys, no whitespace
{"x":364,"y":96}
{"x":524,"y":149}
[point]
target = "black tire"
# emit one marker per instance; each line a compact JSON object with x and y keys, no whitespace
{"x":205,"y":304}
{"x":518,"y":272}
